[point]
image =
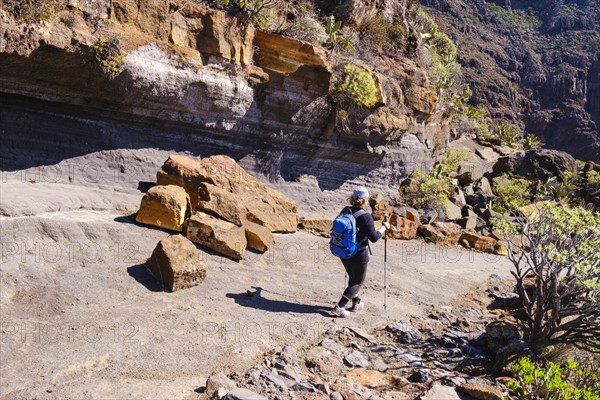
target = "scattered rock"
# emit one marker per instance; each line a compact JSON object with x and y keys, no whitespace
{"x":466,"y":178}
{"x":477,"y":242}
{"x":487,"y":154}
{"x":484,"y":187}
{"x":317,"y":226}
{"x":453,"y":211}
{"x":357,"y":359}
{"x":450,"y":232}
{"x":370,"y":378}
{"x":501,"y":248}
{"x":243,"y":394}
{"x":219,"y":235}
{"x":322,"y":360}
{"x":165,"y":206}
{"x":258,"y":237}
{"x":379,"y":206}
{"x":439,"y":392}
{"x":508,"y":355}
{"x":402,"y":228}
{"x":303,"y":387}
{"x":177,"y":264}
{"x":218,"y":381}
{"x":500,"y":334}
{"x":430,"y":233}
{"x":404,"y":332}
{"x":481,"y":392}
{"x":418,"y":376}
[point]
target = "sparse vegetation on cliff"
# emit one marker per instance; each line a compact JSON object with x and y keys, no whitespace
{"x":110,"y":55}
{"x":31,"y":11}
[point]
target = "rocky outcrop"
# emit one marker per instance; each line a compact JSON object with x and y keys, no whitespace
{"x":286,"y":55}
{"x":165,"y":206}
{"x":221,"y":236}
{"x":191,"y":81}
{"x":536,"y":165}
{"x":177,"y":264}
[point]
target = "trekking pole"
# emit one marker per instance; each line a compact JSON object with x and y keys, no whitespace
{"x":385,"y":266}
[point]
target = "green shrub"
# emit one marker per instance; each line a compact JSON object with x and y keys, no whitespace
{"x":512,"y":195}
{"x":509,"y":135}
{"x":570,"y":380}
{"x":309,"y":29}
{"x":110,"y":55}
{"x":435,"y":186}
{"x":359,"y":86}
{"x":531,"y":142}
{"x":378,"y":33}
{"x":31,"y":11}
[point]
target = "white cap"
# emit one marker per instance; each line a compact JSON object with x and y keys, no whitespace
{"x":360,"y":192}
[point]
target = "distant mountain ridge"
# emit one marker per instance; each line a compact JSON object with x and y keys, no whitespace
{"x":533,"y":63}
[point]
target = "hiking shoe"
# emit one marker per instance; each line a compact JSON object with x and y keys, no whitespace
{"x":359,"y":305}
{"x":340,"y":312}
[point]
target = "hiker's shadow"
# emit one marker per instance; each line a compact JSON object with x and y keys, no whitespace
{"x":254,"y":299}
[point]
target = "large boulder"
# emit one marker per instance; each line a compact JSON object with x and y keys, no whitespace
{"x":537,"y":164}
{"x":317,"y":226}
{"x":177,"y":264}
{"x":402,"y":228}
{"x":258,"y":237}
{"x":263,"y":205}
{"x":450,"y":232}
{"x":214,"y":200}
{"x":216,"y":234}
{"x":165,"y":206}
{"x":477,"y":242}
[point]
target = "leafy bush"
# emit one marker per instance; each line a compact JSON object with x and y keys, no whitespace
{"x":557,"y":271}
{"x":531,"y":142}
{"x":110,"y":55}
{"x":435,"y":186}
{"x":513,"y":194}
{"x":31,"y":11}
{"x":359,"y":86}
{"x":259,"y":10}
{"x":309,"y":29}
{"x":509,"y":135}
{"x":560,"y":188}
{"x":443,"y":69}
{"x":378,"y":34}
{"x":570,"y":380}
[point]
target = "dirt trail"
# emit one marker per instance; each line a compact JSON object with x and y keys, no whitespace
{"x":82,"y":319}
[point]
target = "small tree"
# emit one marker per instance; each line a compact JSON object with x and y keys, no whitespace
{"x":557,"y":268}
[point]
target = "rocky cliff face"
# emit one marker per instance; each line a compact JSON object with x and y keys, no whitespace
{"x":534,"y":63}
{"x":197,"y":79}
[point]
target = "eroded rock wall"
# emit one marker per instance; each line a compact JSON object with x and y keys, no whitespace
{"x":207,"y":79}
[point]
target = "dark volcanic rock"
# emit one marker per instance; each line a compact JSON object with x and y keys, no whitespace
{"x":538,"y":164}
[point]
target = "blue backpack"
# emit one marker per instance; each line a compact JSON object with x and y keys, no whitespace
{"x":343,"y":234}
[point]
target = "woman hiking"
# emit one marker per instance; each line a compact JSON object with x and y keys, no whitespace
{"x":356,"y":264}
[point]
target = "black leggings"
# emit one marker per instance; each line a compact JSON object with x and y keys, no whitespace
{"x":356,"y":268}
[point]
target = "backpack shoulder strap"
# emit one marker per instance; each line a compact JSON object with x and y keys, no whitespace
{"x":359,"y":213}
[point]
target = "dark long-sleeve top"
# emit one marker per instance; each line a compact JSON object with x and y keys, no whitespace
{"x":365,"y":232}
